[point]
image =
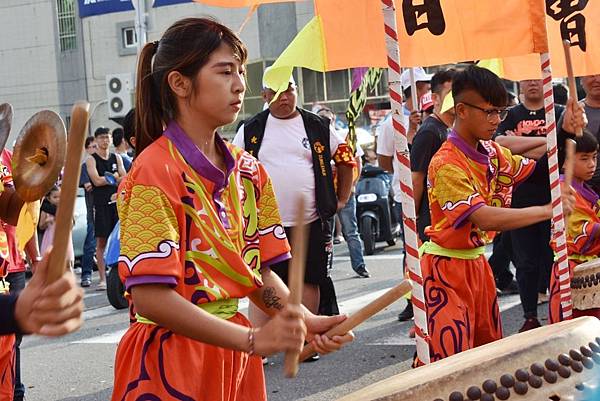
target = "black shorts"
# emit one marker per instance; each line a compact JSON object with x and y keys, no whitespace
{"x":105,"y":218}
{"x":318,"y":256}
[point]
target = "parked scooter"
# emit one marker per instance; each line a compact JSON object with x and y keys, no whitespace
{"x":374,"y":208}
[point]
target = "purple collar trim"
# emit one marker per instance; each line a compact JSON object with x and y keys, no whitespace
{"x":480,"y":155}
{"x":584,"y":190}
{"x":194,"y":156}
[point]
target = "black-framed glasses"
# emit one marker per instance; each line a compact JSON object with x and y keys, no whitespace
{"x":492,"y":114}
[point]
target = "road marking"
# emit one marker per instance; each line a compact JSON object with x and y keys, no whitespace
{"x":99,"y":312}
{"x":93,"y":294}
{"x":107,"y":338}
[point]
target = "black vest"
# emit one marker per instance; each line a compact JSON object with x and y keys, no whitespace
{"x":317,"y":131}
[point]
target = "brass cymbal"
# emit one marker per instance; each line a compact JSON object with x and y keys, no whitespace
{"x":6,"y":114}
{"x":39,"y":155}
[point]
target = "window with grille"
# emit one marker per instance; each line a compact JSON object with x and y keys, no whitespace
{"x":67,"y":35}
{"x":129,"y":37}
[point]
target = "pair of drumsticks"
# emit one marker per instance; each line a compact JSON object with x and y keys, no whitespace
{"x":296,"y":282}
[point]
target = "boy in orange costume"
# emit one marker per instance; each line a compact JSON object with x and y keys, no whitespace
{"x":470,"y":182}
{"x":583,"y":225}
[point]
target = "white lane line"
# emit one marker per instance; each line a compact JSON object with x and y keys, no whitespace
{"x":93,"y":294}
{"x":107,"y":338}
{"x":99,"y":312}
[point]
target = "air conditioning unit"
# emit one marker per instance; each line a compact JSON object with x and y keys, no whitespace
{"x":119,"y":93}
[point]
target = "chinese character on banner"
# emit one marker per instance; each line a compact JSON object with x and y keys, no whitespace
{"x":572,"y":22}
{"x":421,"y":14}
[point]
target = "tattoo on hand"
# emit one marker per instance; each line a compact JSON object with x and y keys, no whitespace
{"x":271,"y":299}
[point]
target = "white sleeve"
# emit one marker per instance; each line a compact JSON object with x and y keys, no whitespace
{"x":359,"y":151}
{"x":238,"y":140}
{"x":335,"y":140}
{"x":385,"y":139}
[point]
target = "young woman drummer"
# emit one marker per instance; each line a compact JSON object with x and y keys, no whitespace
{"x":199,"y":228}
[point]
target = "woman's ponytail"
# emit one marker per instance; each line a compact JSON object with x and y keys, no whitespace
{"x":149,"y":113}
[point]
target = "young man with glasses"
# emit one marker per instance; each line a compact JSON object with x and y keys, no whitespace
{"x":524,"y":132}
{"x":470,"y":182}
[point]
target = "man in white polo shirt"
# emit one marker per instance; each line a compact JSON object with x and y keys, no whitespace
{"x":387,"y":143}
{"x":297,"y":147}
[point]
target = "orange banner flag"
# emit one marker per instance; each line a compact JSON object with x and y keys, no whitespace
{"x":431,"y":32}
{"x":580,"y":23}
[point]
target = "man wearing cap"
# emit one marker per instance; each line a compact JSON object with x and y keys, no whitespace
{"x":386,"y":143}
{"x":428,"y":140}
{"x":297,"y":147}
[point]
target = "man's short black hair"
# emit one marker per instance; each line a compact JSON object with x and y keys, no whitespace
{"x":101,"y":131}
{"x":129,"y":126}
{"x":481,"y":80}
{"x":117,"y":137}
{"x":88,"y":141}
{"x":587,"y":143}
{"x":440,"y":78}
{"x":561,"y":94}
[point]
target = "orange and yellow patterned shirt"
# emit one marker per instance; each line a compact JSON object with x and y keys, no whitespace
{"x":461,"y":180}
{"x":583,"y":229}
{"x":187,"y":224}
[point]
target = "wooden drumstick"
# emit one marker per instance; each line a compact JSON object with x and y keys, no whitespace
{"x":64,"y":214}
{"x":363,"y":314}
{"x":569,"y":166}
{"x":296,"y":278}
{"x":571,"y":78}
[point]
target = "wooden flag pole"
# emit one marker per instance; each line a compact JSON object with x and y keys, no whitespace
{"x":64,"y":214}
{"x":571,"y":78}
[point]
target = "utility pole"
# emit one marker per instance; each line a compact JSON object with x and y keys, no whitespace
{"x":141,"y":25}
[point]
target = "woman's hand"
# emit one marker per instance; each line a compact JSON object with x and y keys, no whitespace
{"x":286,"y":331}
{"x":49,"y":309}
{"x":318,"y":325}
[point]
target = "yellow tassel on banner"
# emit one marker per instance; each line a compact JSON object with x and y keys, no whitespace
{"x":26,"y":224}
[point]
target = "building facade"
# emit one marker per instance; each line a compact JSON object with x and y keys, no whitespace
{"x":55,"y":52}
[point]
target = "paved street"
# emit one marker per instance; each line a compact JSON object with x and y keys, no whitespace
{"x":80,"y":366}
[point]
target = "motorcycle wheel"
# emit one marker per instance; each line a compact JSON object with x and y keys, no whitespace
{"x":368,"y":234}
{"x":115,"y":290}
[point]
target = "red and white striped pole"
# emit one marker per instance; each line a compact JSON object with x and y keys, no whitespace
{"x":558,"y":218}
{"x":411,"y":243}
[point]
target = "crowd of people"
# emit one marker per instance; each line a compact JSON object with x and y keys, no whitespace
{"x":205,"y":222}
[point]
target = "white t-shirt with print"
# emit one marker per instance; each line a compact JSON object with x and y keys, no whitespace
{"x":285,"y":153}
{"x":387,"y":143}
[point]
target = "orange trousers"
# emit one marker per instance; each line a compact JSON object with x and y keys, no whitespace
{"x":461,"y":303}
{"x":7,"y":367}
{"x":153,"y":364}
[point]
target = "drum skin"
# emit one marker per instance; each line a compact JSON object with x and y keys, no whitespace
{"x":585,"y":285}
{"x":557,"y":362}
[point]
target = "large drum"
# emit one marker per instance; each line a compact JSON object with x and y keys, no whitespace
{"x":556,"y":362}
{"x":585,"y":285}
